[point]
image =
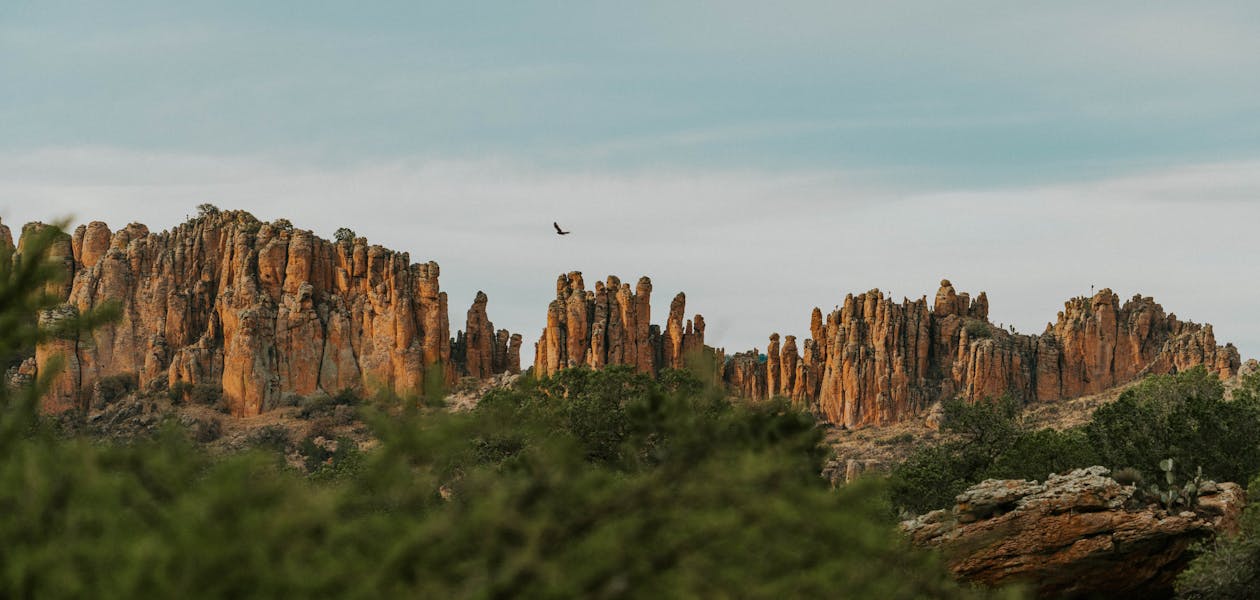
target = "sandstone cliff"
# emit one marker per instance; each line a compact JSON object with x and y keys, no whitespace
{"x":260,"y":309}
{"x":481,"y":352}
{"x":1076,"y":535}
{"x":611,"y":325}
{"x":874,"y":361}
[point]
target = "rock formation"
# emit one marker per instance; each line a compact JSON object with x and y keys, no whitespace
{"x":612,"y":326}
{"x":1075,"y":535}
{"x":263,"y":309}
{"x":745,"y":374}
{"x":874,"y":361}
{"x":481,"y":352}
{"x":260,"y":309}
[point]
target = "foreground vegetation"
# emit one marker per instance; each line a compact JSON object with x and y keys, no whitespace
{"x":607,"y":484}
{"x":1183,"y":417}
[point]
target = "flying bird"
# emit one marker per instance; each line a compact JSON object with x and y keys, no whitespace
{"x":558,"y":230}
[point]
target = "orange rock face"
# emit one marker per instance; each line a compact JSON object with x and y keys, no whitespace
{"x":874,"y":361}
{"x":1078,"y":535}
{"x":745,"y":374}
{"x":612,"y":326}
{"x":479,"y":351}
{"x":259,"y":309}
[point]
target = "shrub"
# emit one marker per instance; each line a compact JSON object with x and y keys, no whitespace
{"x":270,"y":437}
{"x":116,"y":386}
{"x":345,"y":235}
{"x":326,"y":459}
{"x":896,"y":440}
{"x":347,"y":397}
{"x":1183,"y":417}
{"x":207,"y":394}
{"x":315,"y":405}
{"x":1229,"y":566}
{"x":993,"y":443}
{"x":178,"y":392}
{"x":207,"y":210}
{"x":204,"y":430}
{"x":977,"y":329}
{"x":324,"y":427}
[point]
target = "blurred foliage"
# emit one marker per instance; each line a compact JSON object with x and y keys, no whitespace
{"x":28,"y":283}
{"x":587,"y":484}
{"x":1184,"y":417}
{"x":698,"y":498}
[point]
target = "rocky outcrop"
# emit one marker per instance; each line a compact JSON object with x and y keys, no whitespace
{"x":745,"y":374}
{"x":481,"y":352}
{"x":611,"y":325}
{"x":1076,"y":535}
{"x":259,"y":309}
{"x":874,"y":361}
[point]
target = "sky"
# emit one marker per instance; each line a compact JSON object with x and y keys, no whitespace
{"x":765,"y":158}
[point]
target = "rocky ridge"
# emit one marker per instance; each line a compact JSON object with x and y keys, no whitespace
{"x":611,"y":325}
{"x":260,"y":310}
{"x":874,"y":361}
{"x":264,"y":309}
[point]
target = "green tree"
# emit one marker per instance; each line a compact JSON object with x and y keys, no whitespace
{"x":1229,"y":567}
{"x":27,"y":281}
{"x":1184,"y":417}
{"x":990,"y":441}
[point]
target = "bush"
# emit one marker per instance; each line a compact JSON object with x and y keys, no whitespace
{"x":116,"y":386}
{"x":331,"y":459}
{"x":178,"y":392}
{"x":977,"y":329}
{"x":271,"y":437}
{"x":1184,"y":417}
{"x":207,"y":394}
{"x":1229,"y":568}
{"x":345,"y":235}
{"x":204,"y":430}
{"x":347,"y":397}
{"x":992,"y":443}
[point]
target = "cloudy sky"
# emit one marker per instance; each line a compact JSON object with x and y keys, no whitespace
{"x":764,"y":157}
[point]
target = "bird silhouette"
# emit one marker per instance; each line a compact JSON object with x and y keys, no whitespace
{"x":558,"y":230}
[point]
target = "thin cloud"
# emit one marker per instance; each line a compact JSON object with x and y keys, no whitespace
{"x":754,"y":251}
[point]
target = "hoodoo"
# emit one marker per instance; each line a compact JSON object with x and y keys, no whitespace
{"x":259,"y":309}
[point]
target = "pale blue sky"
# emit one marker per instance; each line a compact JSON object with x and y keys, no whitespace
{"x":842,"y":125}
